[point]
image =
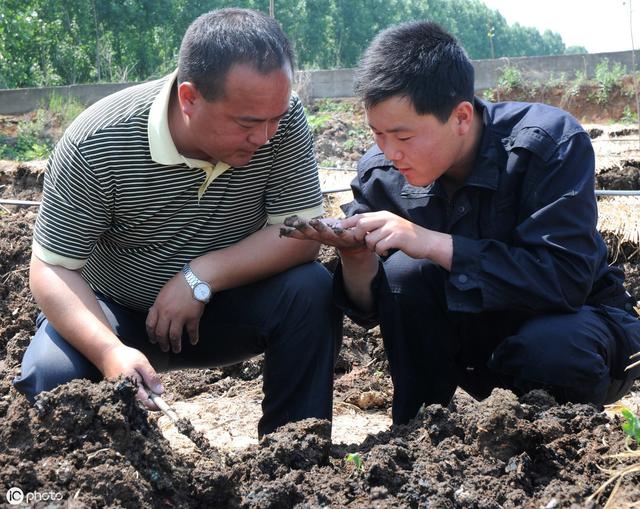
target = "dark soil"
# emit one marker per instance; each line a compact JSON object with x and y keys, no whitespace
{"x":93,"y":445}
{"x":622,"y":176}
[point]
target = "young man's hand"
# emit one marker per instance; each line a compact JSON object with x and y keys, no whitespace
{"x":174,"y":310}
{"x":377,"y":232}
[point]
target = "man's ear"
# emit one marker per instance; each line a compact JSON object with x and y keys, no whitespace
{"x":462,"y":116}
{"x":187,"y":96}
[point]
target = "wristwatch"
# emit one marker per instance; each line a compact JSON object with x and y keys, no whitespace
{"x":202,"y":290}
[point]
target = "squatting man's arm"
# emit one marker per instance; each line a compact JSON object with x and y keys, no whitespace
{"x":71,"y":306}
{"x":72,"y":309}
{"x":360,"y":238}
{"x":256,"y":257}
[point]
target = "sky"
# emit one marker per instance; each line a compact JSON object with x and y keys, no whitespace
{"x":598,"y":25}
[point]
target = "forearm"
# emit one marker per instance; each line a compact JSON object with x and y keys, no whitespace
{"x":72,"y":309}
{"x":257,"y":257}
{"x":359,"y":268}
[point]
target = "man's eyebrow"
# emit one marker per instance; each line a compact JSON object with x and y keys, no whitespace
{"x":396,"y":129}
{"x":249,"y":118}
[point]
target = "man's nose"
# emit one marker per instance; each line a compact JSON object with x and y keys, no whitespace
{"x":263,"y":133}
{"x":259,"y":136}
{"x":391,"y":152}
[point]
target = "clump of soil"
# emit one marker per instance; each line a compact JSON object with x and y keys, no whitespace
{"x":623,"y":176}
{"x":92,"y":443}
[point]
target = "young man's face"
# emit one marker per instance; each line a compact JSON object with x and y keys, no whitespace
{"x":421,"y":147}
{"x":233,"y":127}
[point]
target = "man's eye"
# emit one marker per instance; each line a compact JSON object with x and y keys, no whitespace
{"x":405,"y":139}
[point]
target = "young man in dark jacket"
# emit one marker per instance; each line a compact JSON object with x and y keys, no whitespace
{"x":472,"y":237}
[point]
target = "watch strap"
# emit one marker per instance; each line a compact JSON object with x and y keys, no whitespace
{"x":193,"y":280}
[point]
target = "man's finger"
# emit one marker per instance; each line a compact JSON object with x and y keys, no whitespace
{"x":318,"y":225}
{"x":286,"y":231}
{"x":291,"y":220}
{"x":141,"y":394}
{"x":301,"y":224}
{"x":150,"y":378}
{"x":144,"y":398}
{"x":175,"y":336}
{"x":162,"y":334}
{"x":350,"y":222}
{"x":193,"y":330}
{"x":150,"y":323}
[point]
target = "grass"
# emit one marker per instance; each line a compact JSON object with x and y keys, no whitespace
{"x":318,"y":122}
{"x":609,"y":80}
{"x":37,"y":133}
{"x":356,"y":460}
{"x":628,"y":461}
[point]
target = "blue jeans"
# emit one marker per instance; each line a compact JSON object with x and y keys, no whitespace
{"x":289,"y":317}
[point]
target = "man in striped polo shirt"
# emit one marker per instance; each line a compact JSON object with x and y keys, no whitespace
{"x":157,"y":240}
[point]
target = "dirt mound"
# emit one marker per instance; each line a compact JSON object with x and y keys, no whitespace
{"x":93,"y":444}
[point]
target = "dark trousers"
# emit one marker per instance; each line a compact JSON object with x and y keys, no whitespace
{"x":578,"y":357}
{"x":290,"y":317}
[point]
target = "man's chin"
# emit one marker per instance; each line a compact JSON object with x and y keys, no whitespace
{"x":240,"y":159}
{"x":415,"y":181}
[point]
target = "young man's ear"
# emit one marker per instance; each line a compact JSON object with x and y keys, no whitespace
{"x":462,"y":116}
{"x":187,"y":96}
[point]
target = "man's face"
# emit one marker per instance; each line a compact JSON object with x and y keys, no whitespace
{"x":421,"y":147}
{"x":231,"y":128}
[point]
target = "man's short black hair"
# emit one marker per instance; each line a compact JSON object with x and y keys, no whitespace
{"x":420,"y":61}
{"x":219,"y":39}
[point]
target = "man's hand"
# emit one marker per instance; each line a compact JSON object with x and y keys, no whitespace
{"x":383,"y":231}
{"x":377,"y":232}
{"x":174,"y":310}
{"x":326,"y":231}
{"x":129,"y":362}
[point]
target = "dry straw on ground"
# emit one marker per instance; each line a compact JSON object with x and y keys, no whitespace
{"x":619,"y":217}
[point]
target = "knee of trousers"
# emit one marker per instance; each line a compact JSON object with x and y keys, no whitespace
{"x":408,"y":276}
{"x":303,"y":302}
{"x":305,"y":287}
{"x":50,"y":361}
{"x":553,"y":352}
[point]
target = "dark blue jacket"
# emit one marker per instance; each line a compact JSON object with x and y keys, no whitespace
{"x":523,"y":224}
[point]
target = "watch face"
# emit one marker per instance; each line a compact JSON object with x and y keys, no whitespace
{"x":202,"y":292}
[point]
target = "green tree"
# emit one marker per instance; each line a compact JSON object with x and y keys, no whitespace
{"x":52,"y":42}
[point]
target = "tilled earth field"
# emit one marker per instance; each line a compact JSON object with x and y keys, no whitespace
{"x":92,"y":445}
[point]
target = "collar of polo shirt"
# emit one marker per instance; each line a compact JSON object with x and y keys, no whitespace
{"x":163,"y":149}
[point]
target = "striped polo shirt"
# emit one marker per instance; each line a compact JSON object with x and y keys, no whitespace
{"x":121,"y":204}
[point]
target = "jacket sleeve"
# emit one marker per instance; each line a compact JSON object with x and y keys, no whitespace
{"x":550,"y":261}
{"x":361,"y":188}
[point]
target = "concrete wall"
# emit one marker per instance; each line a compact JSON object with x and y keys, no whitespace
{"x":543,"y":68}
{"x":21,"y":100}
{"x":338,"y":82}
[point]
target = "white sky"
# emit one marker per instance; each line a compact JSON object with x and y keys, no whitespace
{"x":598,"y":25}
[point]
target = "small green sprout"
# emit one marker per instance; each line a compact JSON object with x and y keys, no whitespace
{"x":631,"y":426}
{"x":356,"y":459}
